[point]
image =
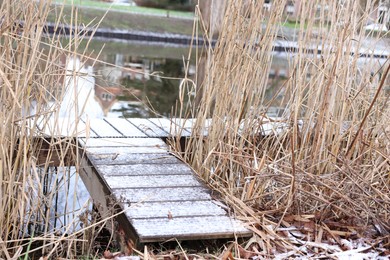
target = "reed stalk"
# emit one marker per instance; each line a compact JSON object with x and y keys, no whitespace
{"x":328,"y":155}
{"x":32,"y":85}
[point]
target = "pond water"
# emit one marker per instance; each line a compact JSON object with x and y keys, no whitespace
{"x":134,"y":80}
{"x":131,"y":80}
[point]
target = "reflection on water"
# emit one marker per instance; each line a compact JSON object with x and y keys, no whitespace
{"x":134,"y":86}
{"x":132,"y":83}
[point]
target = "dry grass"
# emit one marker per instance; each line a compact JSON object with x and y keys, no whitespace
{"x":330,"y":159}
{"x":32,"y":221}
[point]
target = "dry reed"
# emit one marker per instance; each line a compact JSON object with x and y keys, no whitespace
{"x":32,"y":73}
{"x":328,"y":155}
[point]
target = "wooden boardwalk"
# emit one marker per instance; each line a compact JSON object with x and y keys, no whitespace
{"x":126,"y":163}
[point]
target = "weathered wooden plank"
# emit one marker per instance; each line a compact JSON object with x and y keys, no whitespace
{"x":163,"y":194}
{"x":124,"y":150}
{"x":174,"y":209}
{"x":100,"y":193}
{"x":133,"y":158}
{"x":123,"y":142}
{"x":125,"y":127}
{"x":102,"y":128}
{"x":189,"y":228}
{"x":148,"y":128}
{"x":172,"y":126}
{"x":153,"y":181}
{"x":55,"y":152}
{"x":144,"y":169}
{"x":84,"y":130}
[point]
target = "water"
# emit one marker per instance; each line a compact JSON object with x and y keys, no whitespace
{"x":123,"y":85}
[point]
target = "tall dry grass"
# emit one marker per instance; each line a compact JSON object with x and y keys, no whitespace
{"x":328,"y":155}
{"x":32,"y":71}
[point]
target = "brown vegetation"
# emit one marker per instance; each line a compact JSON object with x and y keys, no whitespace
{"x":328,"y":155}
{"x":31,"y":87}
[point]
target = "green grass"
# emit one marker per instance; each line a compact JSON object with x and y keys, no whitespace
{"x":124,"y":8}
{"x":124,"y":20}
{"x":292,"y":25}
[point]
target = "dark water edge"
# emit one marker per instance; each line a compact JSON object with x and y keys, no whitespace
{"x":282,"y":46}
{"x":110,"y":34}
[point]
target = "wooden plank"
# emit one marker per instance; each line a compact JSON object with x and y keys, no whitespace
{"x":102,"y":128}
{"x":189,"y":228}
{"x":163,"y":194}
{"x":84,"y":130}
{"x":144,"y":169}
{"x":153,"y":181}
{"x":148,"y":128}
{"x":100,"y":193}
{"x":55,"y":152}
{"x":172,"y":126}
{"x":123,"y":142}
{"x":124,"y":150}
{"x":175,"y":209}
{"x":125,"y":127}
{"x":134,"y":158}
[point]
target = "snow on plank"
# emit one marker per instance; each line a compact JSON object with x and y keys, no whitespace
{"x":148,"y":128}
{"x":123,"y":142}
{"x":125,"y":127}
{"x":174,"y":126}
{"x":132,"y":158}
{"x":144,"y":169}
{"x":153,"y":181}
{"x":173,"y":209}
{"x":124,"y":150}
{"x":163,"y":194}
{"x":102,"y":128}
{"x":188,"y":228}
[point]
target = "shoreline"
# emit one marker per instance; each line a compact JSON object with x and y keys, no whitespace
{"x":281,"y":46}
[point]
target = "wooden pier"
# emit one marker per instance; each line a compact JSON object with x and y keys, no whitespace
{"x":126,"y":165}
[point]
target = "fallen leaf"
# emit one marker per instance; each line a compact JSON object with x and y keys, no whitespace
{"x":227,"y":254}
{"x":245,"y":253}
{"x":108,"y":255}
